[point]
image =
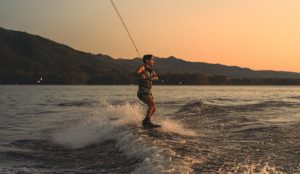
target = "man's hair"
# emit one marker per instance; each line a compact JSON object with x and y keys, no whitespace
{"x":147,"y":57}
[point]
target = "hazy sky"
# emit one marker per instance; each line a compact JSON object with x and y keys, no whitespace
{"x":259,"y":34}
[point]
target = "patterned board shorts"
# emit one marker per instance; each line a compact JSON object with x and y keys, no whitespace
{"x":143,"y":94}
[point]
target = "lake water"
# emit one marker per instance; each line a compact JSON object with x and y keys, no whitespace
{"x":97,"y":129}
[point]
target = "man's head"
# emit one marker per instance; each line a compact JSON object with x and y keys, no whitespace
{"x":148,"y":59}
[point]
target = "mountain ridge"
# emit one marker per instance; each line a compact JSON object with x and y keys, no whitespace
{"x":25,"y":57}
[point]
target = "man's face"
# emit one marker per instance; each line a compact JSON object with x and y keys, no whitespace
{"x":150,"y":62}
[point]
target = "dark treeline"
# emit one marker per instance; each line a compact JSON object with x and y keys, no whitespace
{"x":201,"y":79}
{"x":118,"y":78}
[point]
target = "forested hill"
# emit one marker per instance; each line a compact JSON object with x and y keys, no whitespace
{"x":25,"y":58}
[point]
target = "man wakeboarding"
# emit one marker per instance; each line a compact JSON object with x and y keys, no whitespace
{"x":146,"y":75}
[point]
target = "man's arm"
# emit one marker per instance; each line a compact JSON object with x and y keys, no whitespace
{"x":154,"y":76}
{"x":139,"y":72}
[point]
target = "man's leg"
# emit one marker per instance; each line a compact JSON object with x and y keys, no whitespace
{"x":149,"y":101}
{"x":151,"y":109}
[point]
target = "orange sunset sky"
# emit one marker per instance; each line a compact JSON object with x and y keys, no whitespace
{"x":259,"y":34}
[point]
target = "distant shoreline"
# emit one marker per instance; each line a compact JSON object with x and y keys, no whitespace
{"x":128,"y":85}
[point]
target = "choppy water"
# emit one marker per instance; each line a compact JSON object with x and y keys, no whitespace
{"x":96,"y":129}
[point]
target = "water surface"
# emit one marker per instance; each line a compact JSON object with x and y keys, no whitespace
{"x":96,"y":129}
